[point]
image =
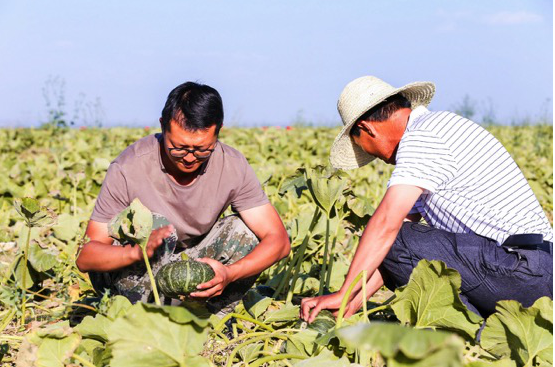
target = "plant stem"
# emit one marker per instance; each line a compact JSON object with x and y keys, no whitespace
{"x":7,"y":319}
{"x":222,"y":322}
{"x":24,"y":275}
{"x":151,"y":276}
{"x":300,"y":255}
{"x":252,"y":341}
{"x":295,"y":258}
{"x":332,"y":260}
{"x":364,"y":306}
{"x":11,"y":337}
{"x":325,"y":258}
{"x":74,"y":197}
{"x":346,"y":298}
{"x":261,"y":361}
{"x":82,"y":360}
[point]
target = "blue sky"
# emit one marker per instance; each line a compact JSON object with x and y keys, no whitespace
{"x":274,"y":62}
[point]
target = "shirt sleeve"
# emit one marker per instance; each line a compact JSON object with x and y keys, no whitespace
{"x":250,"y":194}
{"x":423,"y":160}
{"x":113,"y":196}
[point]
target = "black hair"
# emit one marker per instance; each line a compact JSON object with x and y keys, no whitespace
{"x":194,"y":107}
{"x":382,"y":111}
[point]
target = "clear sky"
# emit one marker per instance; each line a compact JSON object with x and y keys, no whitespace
{"x":274,"y":62}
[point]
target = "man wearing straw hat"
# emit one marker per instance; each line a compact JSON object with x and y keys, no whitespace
{"x":482,"y":217}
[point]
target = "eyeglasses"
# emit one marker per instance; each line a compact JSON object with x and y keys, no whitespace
{"x":180,"y":153}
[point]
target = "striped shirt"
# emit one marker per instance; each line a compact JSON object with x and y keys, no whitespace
{"x":470,"y":182}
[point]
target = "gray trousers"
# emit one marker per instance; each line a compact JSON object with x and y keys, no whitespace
{"x":228,"y":241}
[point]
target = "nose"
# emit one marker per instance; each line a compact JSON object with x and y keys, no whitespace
{"x":189,"y":158}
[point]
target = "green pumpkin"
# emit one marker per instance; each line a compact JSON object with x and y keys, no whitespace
{"x":182,"y":277}
{"x":322,"y":323}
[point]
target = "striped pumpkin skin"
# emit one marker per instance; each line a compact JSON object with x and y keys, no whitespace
{"x":322,"y":323}
{"x":182,"y":277}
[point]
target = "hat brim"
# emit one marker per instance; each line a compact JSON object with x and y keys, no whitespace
{"x":346,"y":155}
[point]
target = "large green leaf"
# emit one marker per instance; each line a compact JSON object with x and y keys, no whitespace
{"x":255,"y":303}
{"x":523,"y":334}
{"x":132,"y":224}
{"x":31,"y":276}
{"x":146,"y":337}
{"x":119,"y":305}
{"x":42,"y":259}
{"x":287,"y":312}
{"x":404,"y":346}
{"x":325,"y":359}
{"x":325,"y":189}
{"x":302,"y":343}
{"x":430,"y":299}
{"x":67,"y":227}
{"x":94,"y":327}
{"x":33,"y":214}
{"x":55,"y":352}
{"x":180,"y":315}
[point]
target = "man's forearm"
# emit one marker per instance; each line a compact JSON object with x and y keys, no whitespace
{"x":98,"y":256}
{"x":373,"y":247}
{"x":270,"y":250}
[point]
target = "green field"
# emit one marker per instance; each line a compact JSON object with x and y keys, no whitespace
{"x":55,"y":323}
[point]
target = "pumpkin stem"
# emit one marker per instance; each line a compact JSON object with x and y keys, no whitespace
{"x":151,"y":276}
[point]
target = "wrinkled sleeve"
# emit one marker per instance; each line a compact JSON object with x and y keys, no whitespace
{"x":113,"y":196}
{"x":423,"y":160}
{"x":250,"y":194}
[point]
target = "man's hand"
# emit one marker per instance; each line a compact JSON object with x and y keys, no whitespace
{"x":216,"y":285}
{"x":156,"y":239}
{"x":99,"y":255}
{"x":330,"y":302}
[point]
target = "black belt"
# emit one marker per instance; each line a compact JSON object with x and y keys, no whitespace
{"x":532,"y":241}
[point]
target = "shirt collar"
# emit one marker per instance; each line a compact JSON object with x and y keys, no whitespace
{"x":416,"y":114}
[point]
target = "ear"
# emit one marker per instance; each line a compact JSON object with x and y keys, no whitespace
{"x":368,"y":127}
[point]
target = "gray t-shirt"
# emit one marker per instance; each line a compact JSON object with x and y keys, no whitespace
{"x":226,"y":179}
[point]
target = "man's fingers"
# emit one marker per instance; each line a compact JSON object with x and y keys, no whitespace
{"x":212,"y":292}
{"x":315,"y":311}
{"x":306,"y":305}
{"x":209,"y":284}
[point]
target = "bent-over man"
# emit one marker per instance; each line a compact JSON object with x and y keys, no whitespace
{"x":187,"y":178}
{"x":482,"y":217}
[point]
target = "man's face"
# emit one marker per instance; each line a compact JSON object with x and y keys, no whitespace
{"x":200,"y":141}
{"x":377,"y":142}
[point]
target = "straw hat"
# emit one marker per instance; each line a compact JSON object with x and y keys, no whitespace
{"x":358,"y":97}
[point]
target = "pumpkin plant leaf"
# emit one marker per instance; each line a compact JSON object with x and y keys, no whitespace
{"x":132,"y":224}
{"x":430,"y":299}
{"x":55,"y":352}
{"x":255,"y":303}
{"x":522,"y":334}
{"x":325,"y":189}
{"x":67,"y":227}
{"x":145,"y":337}
{"x":119,"y":305}
{"x":94,"y":327}
{"x":287,"y":312}
{"x":42,"y":259}
{"x":326,"y":358}
{"x":405,"y":346}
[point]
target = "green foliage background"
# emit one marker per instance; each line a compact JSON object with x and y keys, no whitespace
{"x":64,"y":169}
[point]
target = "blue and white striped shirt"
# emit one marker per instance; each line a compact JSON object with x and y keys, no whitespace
{"x":470,"y":181}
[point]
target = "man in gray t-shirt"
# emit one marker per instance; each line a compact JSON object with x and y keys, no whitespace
{"x":187,"y":178}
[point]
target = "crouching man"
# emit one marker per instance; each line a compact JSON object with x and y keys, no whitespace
{"x":482,"y":217}
{"x":187,"y":178}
